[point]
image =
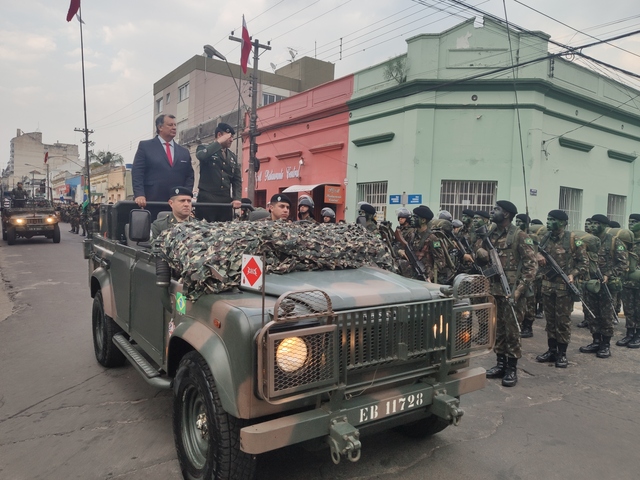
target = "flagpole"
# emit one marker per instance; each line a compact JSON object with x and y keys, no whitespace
{"x":86,"y":132}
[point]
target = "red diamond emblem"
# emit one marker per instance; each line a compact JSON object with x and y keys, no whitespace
{"x":252,"y":271}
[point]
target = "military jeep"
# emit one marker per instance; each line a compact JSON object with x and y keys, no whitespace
{"x":316,"y":356}
{"x":29,"y":218}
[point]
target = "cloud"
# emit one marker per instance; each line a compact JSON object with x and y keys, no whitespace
{"x":20,"y":47}
{"x":118,"y":32}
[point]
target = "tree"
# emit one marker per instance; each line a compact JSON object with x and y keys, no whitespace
{"x":396,"y":70}
{"x":105,"y":158}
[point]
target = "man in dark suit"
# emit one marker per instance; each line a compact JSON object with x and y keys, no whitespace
{"x":159,"y":164}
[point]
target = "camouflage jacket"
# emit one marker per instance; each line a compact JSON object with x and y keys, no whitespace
{"x":165,"y":223}
{"x":634,"y":264}
{"x":219,"y":172}
{"x":516,"y":253}
{"x":613,"y":258}
{"x":422,"y":248}
{"x":570,"y":253}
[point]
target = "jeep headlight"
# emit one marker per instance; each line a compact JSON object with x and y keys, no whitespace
{"x":291,"y":354}
{"x":51,"y":219}
{"x":19,"y":221}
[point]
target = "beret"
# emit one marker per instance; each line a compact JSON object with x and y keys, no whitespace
{"x":634,"y":216}
{"x":423,"y":212}
{"x":468,"y":212}
{"x":524,"y":217}
{"x":180,"y":191}
{"x":536,"y":221}
{"x":559,"y":214}
{"x":507,"y":206}
{"x":600,"y":219}
{"x":224,"y":127}
{"x":280,"y":197}
{"x":367,"y":208}
{"x":482,"y":213}
{"x":614,"y":224}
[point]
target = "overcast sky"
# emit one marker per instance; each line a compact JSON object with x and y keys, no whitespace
{"x":131,"y":44}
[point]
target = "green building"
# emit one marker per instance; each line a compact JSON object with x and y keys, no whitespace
{"x":444,"y":122}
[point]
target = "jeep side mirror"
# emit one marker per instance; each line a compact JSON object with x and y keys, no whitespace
{"x":139,"y":225}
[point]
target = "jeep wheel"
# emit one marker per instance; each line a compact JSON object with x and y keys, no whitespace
{"x":104,"y":328}
{"x":11,"y":235}
{"x":56,"y":234}
{"x":207,"y":438}
{"x":424,"y":428}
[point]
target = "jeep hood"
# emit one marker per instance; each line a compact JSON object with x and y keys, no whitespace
{"x":354,"y":288}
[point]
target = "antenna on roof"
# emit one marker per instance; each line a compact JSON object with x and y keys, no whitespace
{"x":273,"y":66}
{"x":293,"y":52}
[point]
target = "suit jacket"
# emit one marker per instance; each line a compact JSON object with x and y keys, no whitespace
{"x":153,"y":177}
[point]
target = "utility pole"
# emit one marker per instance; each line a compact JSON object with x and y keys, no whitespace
{"x":254,"y":166}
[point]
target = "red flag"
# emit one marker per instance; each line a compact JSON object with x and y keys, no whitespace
{"x":246,"y":46}
{"x":46,"y":157}
{"x":73,"y":9}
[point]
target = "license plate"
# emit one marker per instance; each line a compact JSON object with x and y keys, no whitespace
{"x":392,"y":406}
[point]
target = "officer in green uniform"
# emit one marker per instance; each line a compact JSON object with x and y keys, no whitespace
{"x":180,"y":202}
{"x":220,"y":174}
{"x":367,"y":217}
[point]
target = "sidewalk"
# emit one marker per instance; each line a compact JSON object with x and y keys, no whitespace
{"x":6,"y":305}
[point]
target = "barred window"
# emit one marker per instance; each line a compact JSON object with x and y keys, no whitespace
{"x":571,"y":202}
{"x":374,"y":193}
{"x":458,"y":195}
{"x":617,"y":208}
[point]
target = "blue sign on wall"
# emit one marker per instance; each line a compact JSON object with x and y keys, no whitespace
{"x":394,"y":199}
{"x":415,"y":199}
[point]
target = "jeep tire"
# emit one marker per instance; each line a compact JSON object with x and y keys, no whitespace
{"x":11,"y":235}
{"x":207,"y":438}
{"x":104,"y":328}
{"x":56,"y":233}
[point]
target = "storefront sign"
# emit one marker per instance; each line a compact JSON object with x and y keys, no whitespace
{"x":333,"y":194}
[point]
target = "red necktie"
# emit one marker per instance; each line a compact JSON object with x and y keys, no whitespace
{"x":168,"y":145}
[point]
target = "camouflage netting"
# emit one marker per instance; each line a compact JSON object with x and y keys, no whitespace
{"x":193,"y":248}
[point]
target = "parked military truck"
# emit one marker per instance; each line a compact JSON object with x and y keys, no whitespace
{"x":318,"y":356}
{"x":29,"y":218}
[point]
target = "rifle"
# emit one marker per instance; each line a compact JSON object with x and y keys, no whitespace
{"x":607,"y":292}
{"x":557,"y":271}
{"x":496,"y":269}
{"x":466,"y":249}
{"x":418,"y":267}
{"x":385,"y":233}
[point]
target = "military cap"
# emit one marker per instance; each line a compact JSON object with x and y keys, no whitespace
{"x":423,"y":212}
{"x":367,"y":208}
{"x":403,"y":213}
{"x":468,"y":212}
{"x":634,"y":216}
{"x":482,"y":213}
{"x":327,"y":212}
{"x":507,"y":206}
{"x":456,"y":223}
{"x":600,"y":219}
{"x":246,"y":203}
{"x":536,"y":221}
{"x":559,"y":214}
{"x":524,"y":217}
{"x":445,"y":215}
{"x":175,"y":191}
{"x":224,"y":128}
{"x":280,"y":197}
{"x":614,"y":224}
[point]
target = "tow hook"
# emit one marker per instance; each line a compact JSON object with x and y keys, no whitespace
{"x":343,"y":440}
{"x":447,"y":407}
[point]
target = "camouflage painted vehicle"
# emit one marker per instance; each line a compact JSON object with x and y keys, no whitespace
{"x":323,"y":356}
{"x":29,"y":218}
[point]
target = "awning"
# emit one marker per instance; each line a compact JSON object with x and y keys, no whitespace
{"x":306,"y":188}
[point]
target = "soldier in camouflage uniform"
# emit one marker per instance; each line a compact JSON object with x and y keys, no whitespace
{"x":279,"y":207}
{"x":245,"y":209}
{"x":305,"y":208}
{"x":467,"y":230}
{"x":444,"y":251}
{"x":419,"y":241}
{"x":526,"y":330}
{"x":74,"y":217}
{"x":515,"y":250}
{"x":613,"y":261}
{"x":570,"y":254}
{"x":180,"y":202}
{"x":631,"y":287}
{"x":367,"y":217}
{"x":536,"y":232}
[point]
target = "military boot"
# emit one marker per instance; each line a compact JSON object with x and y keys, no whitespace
{"x":549,"y":355}
{"x":604,"y":351}
{"x":624,"y":341}
{"x":594,"y":346}
{"x":583,"y":324}
{"x":561,"y":358}
{"x":498,"y":370}
{"x":539,"y":311}
{"x":526,"y":331}
{"x":510,"y":373}
{"x":635,"y":341}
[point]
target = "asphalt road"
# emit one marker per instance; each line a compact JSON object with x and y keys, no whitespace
{"x":63,"y":416}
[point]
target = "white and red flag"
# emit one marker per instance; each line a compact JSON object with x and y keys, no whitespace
{"x":246,"y":46}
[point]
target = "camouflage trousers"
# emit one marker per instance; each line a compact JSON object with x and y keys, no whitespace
{"x":631,"y":304}
{"x":507,"y":332}
{"x":530,"y":310}
{"x":557,"y":313}
{"x":601,"y":307}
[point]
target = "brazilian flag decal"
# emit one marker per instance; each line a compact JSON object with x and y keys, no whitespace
{"x":528,"y":241}
{"x":436,"y":244}
{"x":181,"y":303}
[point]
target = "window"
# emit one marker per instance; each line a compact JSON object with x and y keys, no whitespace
{"x":571,"y":203}
{"x":183,"y":92}
{"x":376,"y":194}
{"x":457,"y":195}
{"x":168,"y":98}
{"x":617,"y":208}
{"x":268,"y":98}
{"x":159,"y":105}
